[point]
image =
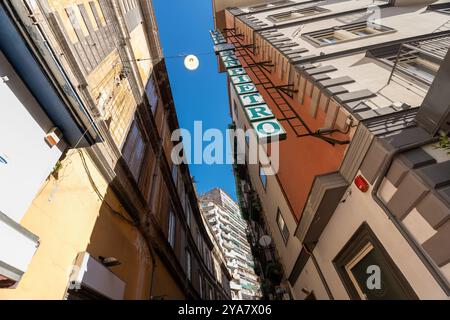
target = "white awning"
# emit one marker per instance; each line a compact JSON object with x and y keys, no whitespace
{"x":17,"y":247}
{"x":90,"y":273}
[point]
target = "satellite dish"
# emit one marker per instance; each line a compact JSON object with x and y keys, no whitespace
{"x":236,"y":276}
{"x":265,"y":241}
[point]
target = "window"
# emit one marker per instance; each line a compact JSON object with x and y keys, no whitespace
{"x":152,"y":94}
{"x":363,"y":258}
{"x":127,"y":5}
{"x":200,"y":284}
{"x":171,"y":233}
{"x":282,"y":226}
{"x":77,"y":23}
{"x":133,"y":150}
{"x":421,"y":69}
{"x":210,"y":264}
{"x":88,"y":16}
{"x":205,"y":253}
{"x":188,"y":265}
{"x":296,"y":14}
{"x":97,"y":13}
{"x":329,"y":39}
{"x":174,"y":173}
{"x":187,"y":208}
{"x":259,"y":7}
{"x":262,"y":176}
{"x":247,"y":136}
{"x":422,"y":64}
{"x":270,"y":5}
{"x":199,"y":241}
{"x":346,"y":33}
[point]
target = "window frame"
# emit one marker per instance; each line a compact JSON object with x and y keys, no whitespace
{"x":302,"y":13}
{"x":152,"y":95}
{"x":199,"y":241}
{"x":171,"y":228}
{"x":263,"y":182}
{"x":188,"y":265}
{"x":200,"y":284}
{"x":314,"y":37}
{"x":285,"y":238}
{"x":130,"y":154}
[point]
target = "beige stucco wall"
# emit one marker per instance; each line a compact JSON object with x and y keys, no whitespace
{"x":357,"y":208}
{"x":272,"y":198}
{"x":310,"y":282}
{"x":69,"y":217}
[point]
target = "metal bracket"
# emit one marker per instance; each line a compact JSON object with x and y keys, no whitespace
{"x":262,"y":63}
{"x":286,"y":88}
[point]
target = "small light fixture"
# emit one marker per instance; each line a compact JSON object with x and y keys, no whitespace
{"x":109,"y":261}
{"x":361,"y":183}
{"x":191,"y":62}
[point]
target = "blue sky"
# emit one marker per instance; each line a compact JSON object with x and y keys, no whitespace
{"x":202,"y":94}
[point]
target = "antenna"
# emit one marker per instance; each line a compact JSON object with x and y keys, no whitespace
{"x":297,"y":31}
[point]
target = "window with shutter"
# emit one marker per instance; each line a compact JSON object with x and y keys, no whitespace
{"x":133,"y":150}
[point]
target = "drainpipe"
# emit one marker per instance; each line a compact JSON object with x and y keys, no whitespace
{"x":429,"y":264}
{"x":154,"y":265}
{"x":322,"y":278}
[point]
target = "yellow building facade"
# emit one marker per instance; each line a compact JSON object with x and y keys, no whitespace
{"x":108,"y":218}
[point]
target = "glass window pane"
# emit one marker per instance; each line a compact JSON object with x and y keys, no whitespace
{"x":389,"y":285}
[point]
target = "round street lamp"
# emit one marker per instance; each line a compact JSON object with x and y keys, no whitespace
{"x":191,"y":62}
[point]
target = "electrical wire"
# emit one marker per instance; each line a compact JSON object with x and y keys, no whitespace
{"x":183,"y":55}
{"x":98,"y":193}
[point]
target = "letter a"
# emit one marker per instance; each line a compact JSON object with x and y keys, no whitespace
{"x":374,"y":280}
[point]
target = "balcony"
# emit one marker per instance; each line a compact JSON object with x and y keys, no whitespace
{"x":225,"y":228}
{"x":228,"y":244}
{"x":235,"y":286}
{"x":226,"y":236}
{"x":212,"y":221}
{"x":223,"y":220}
{"x":229,"y":254}
{"x":232,"y":265}
{"x":420,"y":59}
